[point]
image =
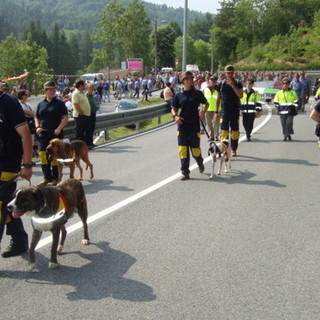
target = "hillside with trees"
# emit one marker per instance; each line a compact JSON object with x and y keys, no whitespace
{"x":273,"y":34}
{"x":73,"y":16}
{"x":74,"y":36}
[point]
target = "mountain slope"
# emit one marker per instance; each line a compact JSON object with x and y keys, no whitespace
{"x":71,"y":15}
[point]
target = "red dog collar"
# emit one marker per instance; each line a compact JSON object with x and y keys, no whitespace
{"x":62,"y":203}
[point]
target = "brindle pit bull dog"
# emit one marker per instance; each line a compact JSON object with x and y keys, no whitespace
{"x":50,"y":208}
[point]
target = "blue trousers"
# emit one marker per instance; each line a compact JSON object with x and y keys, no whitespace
{"x":189,"y":139}
{"x":9,"y":167}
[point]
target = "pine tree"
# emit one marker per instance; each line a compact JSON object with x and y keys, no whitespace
{"x":111,"y":53}
{"x":135,"y":31}
{"x":86,"y":48}
{"x":54,"y":48}
{"x":74,"y":54}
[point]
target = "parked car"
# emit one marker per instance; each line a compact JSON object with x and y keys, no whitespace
{"x":126,"y":104}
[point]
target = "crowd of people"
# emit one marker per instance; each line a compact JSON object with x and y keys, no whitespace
{"x":225,"y":100}
{"x":210,"y":102}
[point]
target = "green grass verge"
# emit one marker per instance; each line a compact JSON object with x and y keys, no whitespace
{"x":122,"y":132}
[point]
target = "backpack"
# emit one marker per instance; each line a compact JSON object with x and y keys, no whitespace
{"x":162,"y":94}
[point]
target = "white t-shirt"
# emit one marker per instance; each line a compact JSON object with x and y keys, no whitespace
{"x":26,"y":106}
{"x":68,"y":105}
{"x":204,"y":85}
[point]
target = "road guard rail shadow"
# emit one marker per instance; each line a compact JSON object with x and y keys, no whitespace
{"x":107,"y":121}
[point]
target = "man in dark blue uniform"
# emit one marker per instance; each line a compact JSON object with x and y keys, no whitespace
{"x":230,"y":91}
{"x":51,"y":118}
{"x":188,"y":121}
{"x":15,"y":146}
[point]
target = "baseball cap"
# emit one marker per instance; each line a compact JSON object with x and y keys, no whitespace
{"x":229,"y":68}
{"x":186,"y":74}
{"x":49,"y":84}
{"x":213,"y":78}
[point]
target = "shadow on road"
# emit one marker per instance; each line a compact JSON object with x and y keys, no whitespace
{"x":280,"y":160}
{"x":96,"y":185}
{"x":281,"y":141}
{"x":116,"y":149}
{"x":101,"y":277}
{"x":241,"y":177}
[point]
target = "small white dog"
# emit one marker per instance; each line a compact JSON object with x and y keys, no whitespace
{"x":222,"y":151}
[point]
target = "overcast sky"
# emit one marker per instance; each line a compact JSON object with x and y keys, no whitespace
{"x":199,"y":5}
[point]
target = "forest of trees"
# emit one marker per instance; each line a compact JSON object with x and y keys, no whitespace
{"x":74,"y":36}
{"x":273,"y":34}
{"x":73,"y":33}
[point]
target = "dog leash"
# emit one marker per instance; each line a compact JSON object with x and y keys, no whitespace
{"x":205,"y":130}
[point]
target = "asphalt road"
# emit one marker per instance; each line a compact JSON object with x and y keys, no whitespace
{"x":244,"y":245}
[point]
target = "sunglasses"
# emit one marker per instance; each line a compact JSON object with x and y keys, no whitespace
{"x":285,"y":82}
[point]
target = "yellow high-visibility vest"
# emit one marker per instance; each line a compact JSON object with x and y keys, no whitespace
{"x":252,"y":103}
{"x":211,"y":97}
{"x":284,"y":99}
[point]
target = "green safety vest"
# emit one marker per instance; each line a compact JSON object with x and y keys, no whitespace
{"x":211,"y":97}
{"x":250,"y":103}
{"x":285,"y":99}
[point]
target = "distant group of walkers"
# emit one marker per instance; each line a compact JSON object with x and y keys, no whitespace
{"x":220,"y":99}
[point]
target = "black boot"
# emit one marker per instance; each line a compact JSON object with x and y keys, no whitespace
{"x":14,"y":250}
{"x":19,"y":238}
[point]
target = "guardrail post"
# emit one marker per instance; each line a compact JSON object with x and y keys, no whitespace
{"x":137,"y":125}
{"x":159,"y":120}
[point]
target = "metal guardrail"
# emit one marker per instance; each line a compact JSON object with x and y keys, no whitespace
{"x":107,"y":121}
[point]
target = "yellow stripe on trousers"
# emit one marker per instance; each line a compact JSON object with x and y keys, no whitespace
{"x":225,"y":135}
{"x":43,"y":159}
{"x":183,"y":152}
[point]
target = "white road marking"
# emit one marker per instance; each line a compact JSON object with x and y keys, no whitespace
{"x":141,"y":194}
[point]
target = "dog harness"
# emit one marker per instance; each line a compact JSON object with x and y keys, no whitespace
{"x":46,"y":224}
{"x":68,"y":159}
{"x":73,"y":153}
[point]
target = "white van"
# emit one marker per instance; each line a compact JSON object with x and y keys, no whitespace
{"x":89,"y":77}
{"x":166,"y":70}
{"x":192,"y":68}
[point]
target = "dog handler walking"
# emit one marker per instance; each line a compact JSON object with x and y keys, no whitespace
{"x":286,"y":101}
{"x":188,"y":122}
{"x":15,"y":148}
{"x":250,"y":107}
{"x":230,"y":92}
{"x":212,"y":114}
{"x":51,"y":118}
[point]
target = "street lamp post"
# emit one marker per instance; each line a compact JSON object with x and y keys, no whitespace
{"x":212,"y":54}
{"x":156,"y":43}
{"x":155,"y":47}
{"x":211,"y":40}
{"x":184,"y":47}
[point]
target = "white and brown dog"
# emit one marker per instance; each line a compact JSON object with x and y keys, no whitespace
{"x":222,"y":151}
